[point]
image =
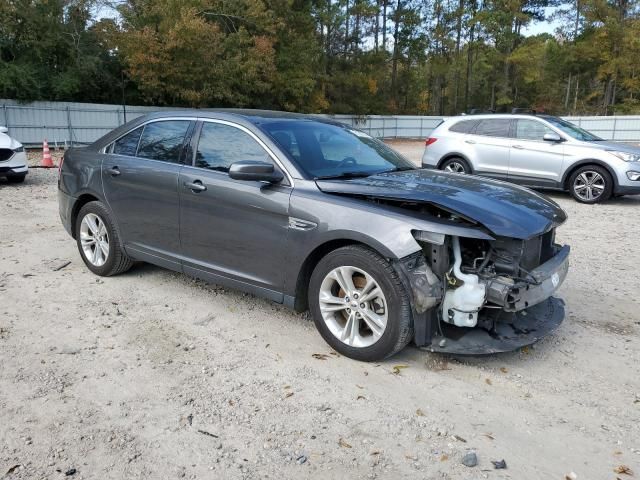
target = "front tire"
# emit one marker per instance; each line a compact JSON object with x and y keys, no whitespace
{"x":591,"y":184}
{"x":456,"y":165}
{"x":359,"y":304}
{"x":98,"y":241}
{"x":16,"y":178}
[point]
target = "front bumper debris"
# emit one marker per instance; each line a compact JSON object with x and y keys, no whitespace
{"x":506,"y":332}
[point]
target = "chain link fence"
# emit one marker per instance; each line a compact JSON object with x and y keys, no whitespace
{"x":68,"y":123}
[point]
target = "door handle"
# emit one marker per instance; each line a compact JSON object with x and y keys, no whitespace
{"x":196,"y":186}
{"x":519,"y":147}
{"x":114,"y":171}
{"x":470,"y":141}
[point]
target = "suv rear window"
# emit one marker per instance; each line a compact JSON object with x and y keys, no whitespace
{"x":465,"y":126}
{"x":494,"y":127}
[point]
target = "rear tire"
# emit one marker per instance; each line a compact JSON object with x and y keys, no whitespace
{"x":591,"y":184}
{"x":456,"y":165}
{"x":98,"y":241}
{"x":16,"y":178}
{"x":373,"y":317}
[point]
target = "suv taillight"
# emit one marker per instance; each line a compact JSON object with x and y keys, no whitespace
{"x":429,"y":141}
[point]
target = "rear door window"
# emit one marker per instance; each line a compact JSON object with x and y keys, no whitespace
{"x":221,"y":145}
{"x":531,"y":130}
{"x":128,"y":144}
{"x":494,"y":127}
{"x":465,"y":126}
{"x":163,"y":140}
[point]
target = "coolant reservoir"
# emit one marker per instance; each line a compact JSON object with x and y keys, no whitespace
{"x":460,"y":305}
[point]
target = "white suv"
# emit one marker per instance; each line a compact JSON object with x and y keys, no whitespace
{"x":538,"y":151}
{"x":13,"y":159}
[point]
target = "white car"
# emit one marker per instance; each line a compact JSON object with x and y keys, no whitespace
{"x":13,"y":158}
{"x":537,"y":151}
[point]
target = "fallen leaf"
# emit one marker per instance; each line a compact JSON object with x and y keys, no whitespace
{"x":499,"y":464}
{"x":420,"y":413}
{"x":359,"y":386}
{"x":503,"y":370}
{"x":409,"y":457}
{"x":488,"y":381}
{"x":617,"y":452}
{"x":335,"y":354}
{"x":525,"y":350}
{"x":459,"y":438}
{"x":398,"y":368}
{"x":13,"y":469}
{"x":444,"y":457}
{"x":289,"y":394}
{"x":489,"y":436}
{"x":344,"y":444}
{"x":286,"y":387}
{"x":320,"y":356}
{"x":375,"y":452}
{"x":366,"y":374}
{"x":623,"y":469}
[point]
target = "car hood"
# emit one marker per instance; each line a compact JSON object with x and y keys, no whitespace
{"x":616,"y":146}
{"x":504,"y":209}
{"x":7,"y":142}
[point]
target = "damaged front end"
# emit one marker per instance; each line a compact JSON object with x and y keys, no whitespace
{"x":473,"y":296}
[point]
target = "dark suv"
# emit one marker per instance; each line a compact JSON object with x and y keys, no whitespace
{"x":315,"y":214}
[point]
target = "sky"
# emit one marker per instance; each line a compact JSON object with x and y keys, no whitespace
{"x":535,"y":28}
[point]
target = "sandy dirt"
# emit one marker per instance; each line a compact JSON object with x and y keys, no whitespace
{"x":154,"y":375}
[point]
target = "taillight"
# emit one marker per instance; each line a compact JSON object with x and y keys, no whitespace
{"x":429,"y":141}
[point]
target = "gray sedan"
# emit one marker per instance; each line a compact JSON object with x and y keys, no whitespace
{"x":315,"y":214}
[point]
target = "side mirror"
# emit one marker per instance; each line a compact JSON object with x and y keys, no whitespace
{"x":552,"y":137}
{"x":4,"y":129}
{"x":255,"y":171}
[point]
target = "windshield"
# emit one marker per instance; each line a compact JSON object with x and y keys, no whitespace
{"x":323,"y":150}
{"x":573,"y":130}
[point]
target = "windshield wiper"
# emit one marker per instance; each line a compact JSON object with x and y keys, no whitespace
{"x":345,"y":175}
{"x":399,"y":169}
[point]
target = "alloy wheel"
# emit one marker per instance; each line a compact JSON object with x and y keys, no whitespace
{"x":353,"y":306}
{"x":455,"y":167}
{"x":94,"y":239}
{"x":589,"y":185}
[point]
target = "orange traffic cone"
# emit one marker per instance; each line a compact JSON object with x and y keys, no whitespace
{"x":46,"y":156}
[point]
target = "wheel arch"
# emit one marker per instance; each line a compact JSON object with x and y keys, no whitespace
{"x":300,"y":303}
{"x":451,"y":155}
{"x":80,"y":202}
{"x":585,"y":163}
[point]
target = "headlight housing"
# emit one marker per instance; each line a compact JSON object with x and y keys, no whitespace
{"x":626,"y":156}
{"x":19,"y":149}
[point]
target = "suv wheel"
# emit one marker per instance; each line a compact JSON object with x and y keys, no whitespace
{"x":359,"y":305}
{"x":456,"y":165}
{"x":16,"y":178}
{"x":591,"y":184}
{"x":98,"y":241}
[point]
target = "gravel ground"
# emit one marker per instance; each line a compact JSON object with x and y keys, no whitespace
{"x":154,"y":375}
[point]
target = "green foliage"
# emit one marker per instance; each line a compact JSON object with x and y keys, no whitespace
{"x":336,"y":56}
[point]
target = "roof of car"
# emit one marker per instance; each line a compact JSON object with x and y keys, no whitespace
{"x":483,"y":116}
{"x":250,"y":115}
